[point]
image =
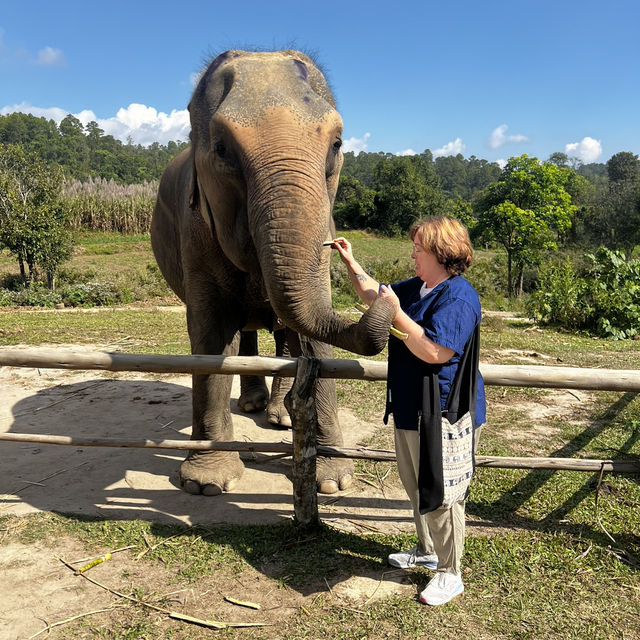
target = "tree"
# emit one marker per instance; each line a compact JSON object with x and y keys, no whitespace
{"x":614,"y":218}
{"x":623,"y":167}
{"x":559,"y":158}
{"x":73,"y":148}
{"x":32,"y":219}
{"x":407,"y":189}
{"x":525,"y":211}
{"x":452,"y":171}
{"x":354,"y":206}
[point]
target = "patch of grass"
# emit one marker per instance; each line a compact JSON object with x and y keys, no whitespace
{"x":130,"y":330}
{"x":92,"y":238}
{"x":518,"y":584}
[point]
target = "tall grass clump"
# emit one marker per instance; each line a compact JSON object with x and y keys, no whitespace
{"x":104,"y":205}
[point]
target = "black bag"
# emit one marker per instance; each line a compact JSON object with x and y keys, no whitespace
{"x":443,"y":478}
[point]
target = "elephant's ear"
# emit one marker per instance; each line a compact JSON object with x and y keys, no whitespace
{"x":194,"y":189}
{"x":198,"y":202}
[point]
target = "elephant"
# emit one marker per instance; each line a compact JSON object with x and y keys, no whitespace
{"x":239,"y":232}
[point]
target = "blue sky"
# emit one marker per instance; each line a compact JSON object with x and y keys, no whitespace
{"x":493,"y":79}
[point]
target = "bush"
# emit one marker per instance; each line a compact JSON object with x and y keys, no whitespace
{"x":37,"y":295}
{"x":559,"y":297}
{"x":488,"y":276}
{"x":82,"y":289}
{"x":613,"y":294}
{"x":93,"y":294}
{"x":604,"y":299}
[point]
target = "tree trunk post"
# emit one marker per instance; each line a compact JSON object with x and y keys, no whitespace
{"x":301,"y":405}
{"x":23,"y":271}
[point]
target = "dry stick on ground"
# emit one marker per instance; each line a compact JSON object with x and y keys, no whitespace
{"x":596,"y":506}
{"x":61,"y":622}
{"x":52,"y":404}
{"x":213,"y":624}
{"x":39,"y":482}
{"x":131,"y":546}
{"x":153,"y":547}
{"x":626,"y":556}
{"x":370,"y":598}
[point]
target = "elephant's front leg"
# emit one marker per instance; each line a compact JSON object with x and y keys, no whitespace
{"x":332,"y":474}
{"x":254,"y":394}
{"x":211,"y":472}
{"x":276,"y":411}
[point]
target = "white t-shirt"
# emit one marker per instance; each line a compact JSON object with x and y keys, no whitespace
{"x":424,"y":290}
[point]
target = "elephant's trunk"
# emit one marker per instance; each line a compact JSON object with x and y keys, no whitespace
{"x":290,"y":208}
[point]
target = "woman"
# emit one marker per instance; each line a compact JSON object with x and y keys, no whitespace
{"x":439,"y":311}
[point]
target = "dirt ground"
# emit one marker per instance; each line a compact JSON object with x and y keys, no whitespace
{"x":137,"y":484}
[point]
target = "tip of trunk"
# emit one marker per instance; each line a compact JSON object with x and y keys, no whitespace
{"x":370,"y":334}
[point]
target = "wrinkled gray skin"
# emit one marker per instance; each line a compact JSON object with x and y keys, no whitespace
{"x":237,"y":232}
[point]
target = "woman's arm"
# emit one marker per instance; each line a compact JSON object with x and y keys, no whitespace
{"x":417,"y":342}
{"x":366,"y":287}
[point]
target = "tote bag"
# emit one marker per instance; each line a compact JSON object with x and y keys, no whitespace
{"x":447,"y":437}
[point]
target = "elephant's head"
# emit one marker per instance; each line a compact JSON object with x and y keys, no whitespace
{"x":266,"y":141}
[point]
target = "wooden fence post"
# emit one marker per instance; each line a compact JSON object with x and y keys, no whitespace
{"x":301,"y":405}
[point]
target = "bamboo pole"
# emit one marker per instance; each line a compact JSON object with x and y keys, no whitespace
{"x":493,"y":462}
{"x":541,"y":376}
{"x":493,"y":374}
{"x":152,"y":363}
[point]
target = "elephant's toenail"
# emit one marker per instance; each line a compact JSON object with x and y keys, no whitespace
{"x":346,"y":482}
{"x":211,"y":490}
{"x":191,"y":487}
{"x":327,"y":486}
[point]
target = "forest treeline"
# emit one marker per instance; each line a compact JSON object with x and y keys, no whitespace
{"x":531,"y":213}
{"x":380,"y":192}
{"x":85,"y":151}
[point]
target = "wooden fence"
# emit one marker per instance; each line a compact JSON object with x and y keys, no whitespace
{"x":301,"y":406}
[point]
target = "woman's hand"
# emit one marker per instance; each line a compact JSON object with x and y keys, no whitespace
{"x":387,"y":293}
{"x":366,"y":287}
{"x":344,"y":249}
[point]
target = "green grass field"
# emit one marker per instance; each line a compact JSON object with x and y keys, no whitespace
{"x":542,"y":558}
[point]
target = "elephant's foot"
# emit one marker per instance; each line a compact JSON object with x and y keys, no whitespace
{"x":277,"y":414}
{"x":254,"y":395}
{"x":333,"y":474}
{"x":210,"y":472}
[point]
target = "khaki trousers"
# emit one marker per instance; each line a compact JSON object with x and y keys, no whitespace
{"x":440,"y":531}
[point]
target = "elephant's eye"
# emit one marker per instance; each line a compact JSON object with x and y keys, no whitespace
{"x":337,"y":144}
{"x":220,"y":149}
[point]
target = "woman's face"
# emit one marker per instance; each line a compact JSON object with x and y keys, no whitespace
{"x":427,"y":265}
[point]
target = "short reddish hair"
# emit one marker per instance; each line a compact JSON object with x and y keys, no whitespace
{"x":448,"y":239}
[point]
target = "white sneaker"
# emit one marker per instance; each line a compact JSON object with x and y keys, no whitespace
{"x":413,"y":558}
{"x":442,"y":588}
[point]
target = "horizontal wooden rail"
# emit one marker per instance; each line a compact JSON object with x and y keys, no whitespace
{"x":494,"y":462}
{"x":494,"y":374}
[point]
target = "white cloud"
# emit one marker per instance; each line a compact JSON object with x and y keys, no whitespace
{"x":143,"y":125}
{"x":356,"y":144}
{"x":52,"y":113}
{"x":50,"y":57}
{"x":407,"y":152}
{"x":450,"y":149}
{"x":501,"y":162}
{"x":498,"y":137}
{"x":588,"y":149}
